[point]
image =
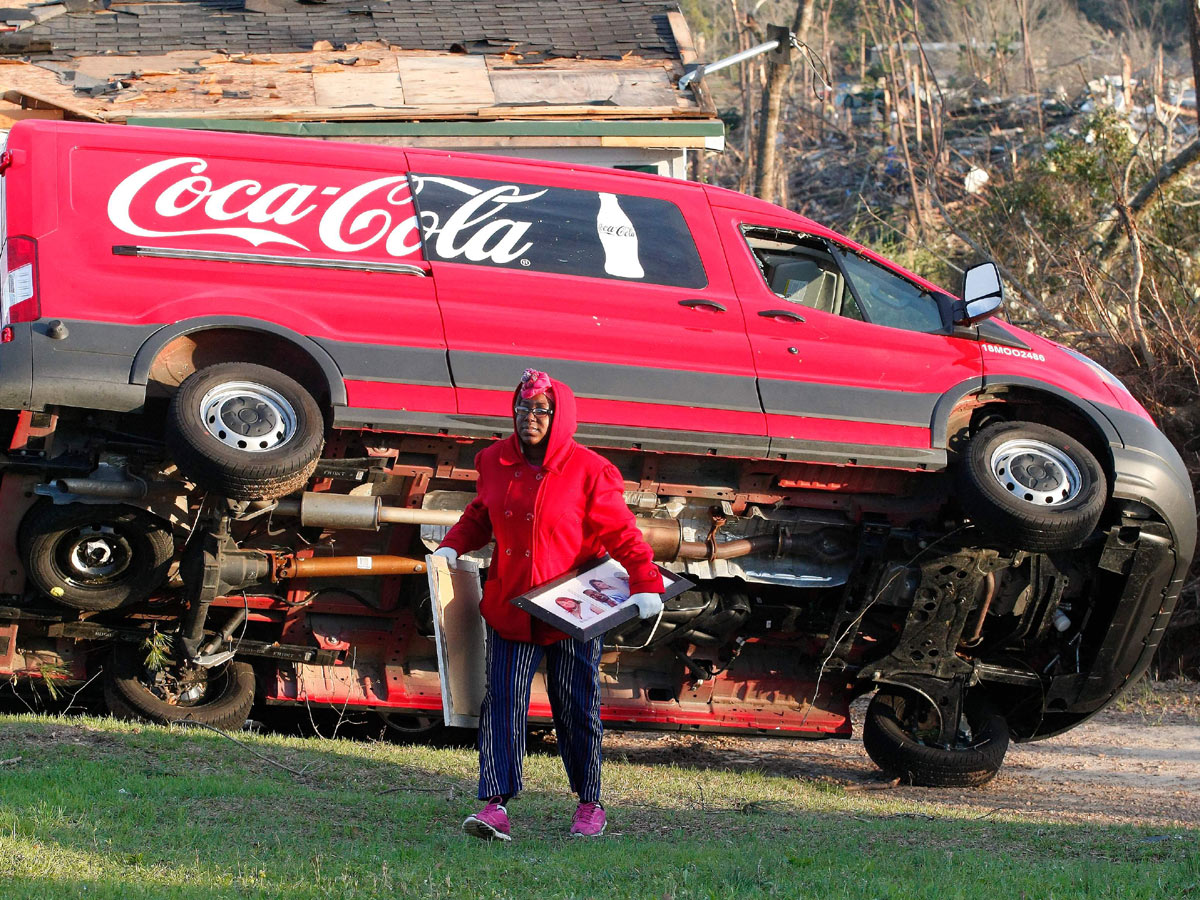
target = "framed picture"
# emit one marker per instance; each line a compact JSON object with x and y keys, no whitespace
{"x":589,"y":601}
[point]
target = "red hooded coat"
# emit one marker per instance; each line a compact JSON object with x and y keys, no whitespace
{"x":547,"y":520}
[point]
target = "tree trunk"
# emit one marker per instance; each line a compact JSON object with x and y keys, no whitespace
{"x":1031,"y":84}
{"x":1194,"y":46}
{"x":765,"y":177}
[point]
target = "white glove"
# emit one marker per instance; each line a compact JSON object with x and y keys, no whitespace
{"x":648,"y":604}
{"x":449,"y":554}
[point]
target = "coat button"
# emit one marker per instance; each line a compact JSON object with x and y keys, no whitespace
{"x":539,"y":476}
{"x":528,"y":517}
{"x":508,"y":514}
{"x":526,"y":552}
{"x":518,"y":475}
{"x":508,"y":551}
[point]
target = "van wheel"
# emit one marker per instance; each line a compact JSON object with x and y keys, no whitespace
{"x":899,"y":724}
{"x":220,"y":696}
{"x":1031,"y":486}
{"x":95,"y":556}
{"x":245,"y":431}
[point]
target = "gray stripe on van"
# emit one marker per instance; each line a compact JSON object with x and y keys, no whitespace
{"x":606,"y":381}
{"x":854,"y":404}
{"x":388,"y":363}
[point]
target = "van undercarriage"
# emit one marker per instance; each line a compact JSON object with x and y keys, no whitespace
{"x":815,"y":585}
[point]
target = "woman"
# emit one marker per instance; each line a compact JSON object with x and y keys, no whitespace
{"x":551,"y":505}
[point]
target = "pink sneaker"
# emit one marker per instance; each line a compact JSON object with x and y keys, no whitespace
{"x":589,"y":820}
{"x":490,"y":823}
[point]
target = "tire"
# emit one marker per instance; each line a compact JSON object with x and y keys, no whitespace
{"x":95,"y":556}
{"x":1031,"y":487}
{"x":413,"y":726}
{"x":893,"y":735}
{"x":245,"y":431}
{"x":133,"y":692}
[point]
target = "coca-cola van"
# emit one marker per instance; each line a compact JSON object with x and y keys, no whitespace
{"x":247,"y":378}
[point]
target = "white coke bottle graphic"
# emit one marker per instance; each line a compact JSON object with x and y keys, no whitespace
{"x":618,"y":238}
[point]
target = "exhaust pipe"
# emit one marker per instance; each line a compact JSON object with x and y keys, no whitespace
{"x":107,"y":490}
{"x":326,"y":510}
{"x":665,"y":537}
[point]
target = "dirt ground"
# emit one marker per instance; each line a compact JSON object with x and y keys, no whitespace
{"x":1138,"y":762}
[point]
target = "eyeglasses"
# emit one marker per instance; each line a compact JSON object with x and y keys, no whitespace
{"x":538,"y":412}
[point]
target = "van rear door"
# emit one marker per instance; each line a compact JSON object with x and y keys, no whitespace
{"x":614,"y":283}
{"x":165,"y":231}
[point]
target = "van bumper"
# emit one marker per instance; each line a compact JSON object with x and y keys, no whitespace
{"x":1151,"y":570}
{"x":86,"y":364}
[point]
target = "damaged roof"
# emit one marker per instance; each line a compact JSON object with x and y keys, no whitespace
{"x":537,"y":30}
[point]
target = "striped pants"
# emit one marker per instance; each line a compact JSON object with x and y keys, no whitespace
{"x":573,"y":683}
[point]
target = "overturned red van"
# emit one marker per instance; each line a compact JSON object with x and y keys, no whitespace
{"x":246,"y":378}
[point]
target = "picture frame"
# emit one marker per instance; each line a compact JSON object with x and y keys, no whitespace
{"x":592,"y":599}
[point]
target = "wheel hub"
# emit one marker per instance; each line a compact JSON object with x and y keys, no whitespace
{"x":97,"y":554}
{"x":248,"y":416}
{"x":1036,"y":472}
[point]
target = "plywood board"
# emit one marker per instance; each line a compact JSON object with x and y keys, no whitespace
{"x":647,"y":87}
{"x":459,"y":635}
{"x":445,"y":80}
{"x":351,"y":88}
{"x":11,"y":115}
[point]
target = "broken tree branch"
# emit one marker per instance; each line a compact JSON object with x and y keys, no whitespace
{"x":1135,"y":293}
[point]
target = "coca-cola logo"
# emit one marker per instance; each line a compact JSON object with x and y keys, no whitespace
{"x":179,"y":197}
{"x":487,"y":238}
{"x":618,"y":230}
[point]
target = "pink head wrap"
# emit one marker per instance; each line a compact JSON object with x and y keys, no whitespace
{"x":533,"y":383}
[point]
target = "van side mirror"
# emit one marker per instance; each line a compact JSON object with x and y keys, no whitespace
{"x":982,"y":294}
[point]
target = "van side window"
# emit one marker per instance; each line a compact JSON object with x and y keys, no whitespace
{"x":816,"y":273}
{"x":887,"y":298}
{"x":559,"y":230}
{"x":801,"y":270}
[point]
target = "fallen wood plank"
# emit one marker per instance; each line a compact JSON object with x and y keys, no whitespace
{"x":683,"y":37}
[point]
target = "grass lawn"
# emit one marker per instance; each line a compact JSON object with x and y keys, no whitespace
{"x":96,"y":808}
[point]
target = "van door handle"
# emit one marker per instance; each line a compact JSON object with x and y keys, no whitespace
{"x":781,"y":314}
{"x":707,"y":304}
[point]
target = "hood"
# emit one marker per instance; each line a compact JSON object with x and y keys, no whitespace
{"x":560,"y":442}
{"x":1058,"y":365}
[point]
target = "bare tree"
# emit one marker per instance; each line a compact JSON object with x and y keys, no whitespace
{"x":1116,"y":240}
{"x":765,"y":176}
